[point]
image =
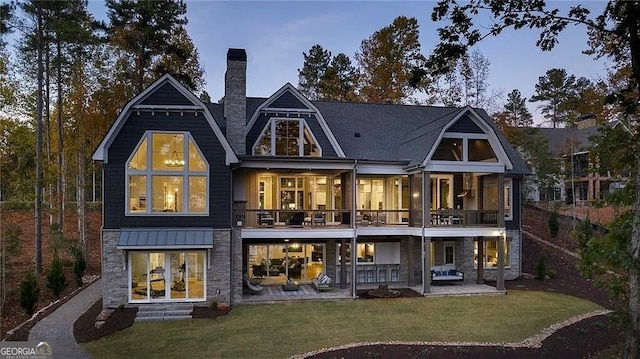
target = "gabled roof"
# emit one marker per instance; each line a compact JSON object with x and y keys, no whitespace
{"x":298,"y":102}
{"x":401,"y":133}
{"x":145,"y":100}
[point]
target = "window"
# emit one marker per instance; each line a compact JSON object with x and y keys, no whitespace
{"x":490,"y":252}
{"x":449,"y":149}
{"x":507,"y":198}
{"x":480,"y":150}
{"x":449,"y":253}
{"x":365,"y":253}
{"x":466,"y":148}
{"x":287,"y":137}
{"x":167,"y":174}
{"x":490,"y":192}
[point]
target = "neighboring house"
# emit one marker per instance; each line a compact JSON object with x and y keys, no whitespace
{"x":197,"y":196}
{"x":579,"y":175}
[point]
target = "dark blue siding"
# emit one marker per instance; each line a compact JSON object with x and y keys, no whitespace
{"x":465,"y":125}
{"x":124,"y":145}
{"x":314,"y":126}
{"x":287,"y":100}
{"x":321,"y":137}
{"x":516,"y":208}
{"x":167,"y":95}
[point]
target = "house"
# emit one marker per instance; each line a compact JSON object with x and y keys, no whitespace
{"x":579,"y":174}
{"x":198,"y":197}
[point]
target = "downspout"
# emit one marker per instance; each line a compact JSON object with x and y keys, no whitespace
{"x":354,"y":263}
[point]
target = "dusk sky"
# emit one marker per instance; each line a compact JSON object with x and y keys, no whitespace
{"x":276,"y":33}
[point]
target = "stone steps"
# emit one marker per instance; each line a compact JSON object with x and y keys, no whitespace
{"x":164,"y":312}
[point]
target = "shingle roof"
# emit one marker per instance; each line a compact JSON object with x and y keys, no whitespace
{"x":560,"y":140}
{"x":396,"y":132}
{"x":385,"y":132}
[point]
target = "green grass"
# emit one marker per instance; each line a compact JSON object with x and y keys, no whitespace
{"x":284,"y":329}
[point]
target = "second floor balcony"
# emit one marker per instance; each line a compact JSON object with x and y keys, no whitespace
{"x":343,"y":199}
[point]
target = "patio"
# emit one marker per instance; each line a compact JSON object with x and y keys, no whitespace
{"x":273,"y":293}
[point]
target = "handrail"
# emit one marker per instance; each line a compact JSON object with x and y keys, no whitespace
{"x":327,"y":218}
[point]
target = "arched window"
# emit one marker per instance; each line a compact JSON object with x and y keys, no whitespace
{"x":167,"y":173}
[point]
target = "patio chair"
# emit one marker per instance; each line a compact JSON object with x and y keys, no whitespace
{"x":297,"y":219}
{"x":250,"y":288}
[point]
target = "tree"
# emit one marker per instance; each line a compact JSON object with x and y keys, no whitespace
{"x":310,"y":77}
{"x":516,"y":110}
{"x":6,"y":13}
{"x":554,"y":88}
{"x":514,"y":117}
{"x":339,"y":82}
{"x":56,"y":280}
{"x":29,"y":293}
{"x":465,"y":84}
{"x":388,"y":60}
{"x":614,"y":33}
{"x":144,"y":30}
{"x":182,"y":61}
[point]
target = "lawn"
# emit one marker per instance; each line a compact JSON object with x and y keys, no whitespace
{"x":284,"y":329}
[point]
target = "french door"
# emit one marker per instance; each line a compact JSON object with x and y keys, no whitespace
{"x":165,"y":276}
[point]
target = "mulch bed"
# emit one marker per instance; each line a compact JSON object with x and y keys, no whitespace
{"x":404,"y":293}
{"x":208,"y":313}
{"x":580,"y":340}
{"x":84,"y":328}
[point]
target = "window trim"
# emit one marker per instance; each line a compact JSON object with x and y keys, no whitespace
{"x":447,"y":244}
{"x":271,"y":125}
{"x":508,"y":201}
{"x":149,"y":172}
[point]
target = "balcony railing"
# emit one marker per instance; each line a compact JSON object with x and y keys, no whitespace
{"x":464,"y":218}
{"x":277,"y":218}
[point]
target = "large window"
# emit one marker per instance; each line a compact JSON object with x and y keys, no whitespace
{"x":490,"y":253}
{"x":471,"y":148}
{"x":167,"y":276}
{"x":167,"y":173}
{"x":287,"y":137}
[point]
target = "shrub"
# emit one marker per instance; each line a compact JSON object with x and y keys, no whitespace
{"x":541,"y":268}
{"x":29,"y":293}
{"x":554,"y":224}
{"x":56,"y":280}
{"x":79,"y":265}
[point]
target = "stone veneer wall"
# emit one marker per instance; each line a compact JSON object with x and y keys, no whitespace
{"x":219,"y":268}
{"x":512,"y":272}
{"x":236,"y":255}
{"x":114,"y":273}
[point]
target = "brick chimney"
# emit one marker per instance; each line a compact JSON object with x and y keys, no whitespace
{"x":235,"y":99}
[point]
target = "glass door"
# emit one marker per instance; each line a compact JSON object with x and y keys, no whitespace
{"x":441,"y":192}
{"x":161,"y":276}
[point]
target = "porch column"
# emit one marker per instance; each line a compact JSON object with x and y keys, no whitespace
{"x":354,"y":226}
{"x":343,"y":264}
{"x":480,"y":269}
{"x":426,"y":266}
{"x":501,"y":228}
{"x":426,"y":195}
